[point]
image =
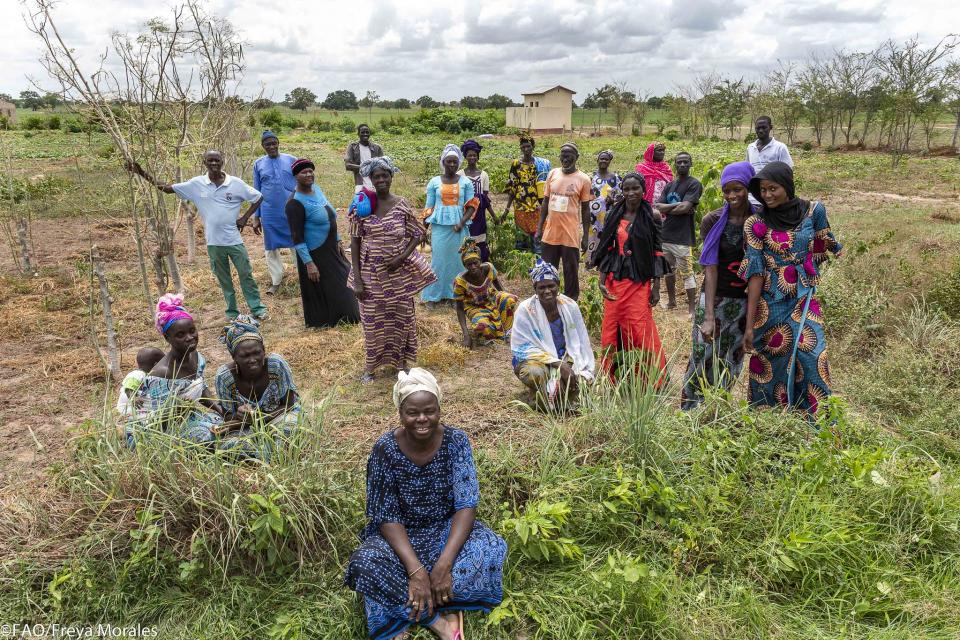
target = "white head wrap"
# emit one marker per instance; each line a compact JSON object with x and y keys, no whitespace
{"x":417,"y":380}
{"x":450,"y":150}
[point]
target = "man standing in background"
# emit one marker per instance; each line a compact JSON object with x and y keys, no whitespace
{"x":766,"y":149}
{"x":678,"y":207}
{"x":272,"y":177}
{"x":359,"y":151}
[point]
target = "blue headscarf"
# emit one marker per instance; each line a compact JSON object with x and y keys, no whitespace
{"x":543,"y":270}
{"x":268,"y":134}
{"x":243,"y":327}
{"x":471,"y":145}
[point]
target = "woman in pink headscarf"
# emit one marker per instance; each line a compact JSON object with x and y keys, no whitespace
{"x":655,"y":171}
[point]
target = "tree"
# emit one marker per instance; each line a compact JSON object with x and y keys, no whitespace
{"x":368,"y":101}
{"x":300,"y":98}
{"x":498,"y":101}
{"x":340,"y":100}
{"x":728,"y":103}
{"x":952,"y":81}
{"x":401,"y":104}
{"x":656,"y":102}
{"x":6,"y":97}
{"x":640,"y":107}
{"x":426,"y":102}
{"x":473,"y":102}
{"x":30,"y":100}
{"x":261,"y":103}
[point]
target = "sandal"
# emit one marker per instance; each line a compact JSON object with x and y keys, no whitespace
{"x":366,"y":378}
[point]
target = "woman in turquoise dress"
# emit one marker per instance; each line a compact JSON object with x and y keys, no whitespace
{"x":450,"y":205}
{"x":425,"y":558}
{"x":786,"y":244}
{"x":261,"y":407}
{"x":321,"y":263}
{"x":173,"y":398}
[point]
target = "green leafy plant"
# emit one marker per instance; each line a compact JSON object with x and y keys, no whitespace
{"x":537,"y":531}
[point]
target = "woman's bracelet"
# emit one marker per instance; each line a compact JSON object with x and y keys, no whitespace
{"x":417,"y":570}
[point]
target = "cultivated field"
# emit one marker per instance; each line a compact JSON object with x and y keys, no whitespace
{"x":631,"y":520}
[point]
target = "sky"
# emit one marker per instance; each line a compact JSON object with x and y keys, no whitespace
{"x":410,"y":48}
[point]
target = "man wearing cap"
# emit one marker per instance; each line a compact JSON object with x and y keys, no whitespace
{"x":565,"y":217}
{"x":272,"y":178}
{"x":218,"y":198}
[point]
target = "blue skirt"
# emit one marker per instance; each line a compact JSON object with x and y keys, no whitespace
{"x":445,"y":261}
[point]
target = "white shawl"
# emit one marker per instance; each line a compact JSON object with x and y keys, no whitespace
{"x":532,"y":340}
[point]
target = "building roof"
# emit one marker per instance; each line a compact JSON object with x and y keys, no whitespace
{"x":543,"y":90}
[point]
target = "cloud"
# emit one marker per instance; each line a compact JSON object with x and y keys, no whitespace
{"x":832,"y":14}
{"x":704,"y":16}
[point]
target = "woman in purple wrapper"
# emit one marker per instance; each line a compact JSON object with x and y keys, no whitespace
{"x":481,"y":188}
{"x":716,"y":358}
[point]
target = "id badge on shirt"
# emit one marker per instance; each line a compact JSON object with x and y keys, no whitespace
{"x":559,"y":203}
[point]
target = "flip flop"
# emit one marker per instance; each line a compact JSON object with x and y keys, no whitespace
{"x":459,"y":634}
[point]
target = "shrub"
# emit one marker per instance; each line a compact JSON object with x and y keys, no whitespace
{"x":33,"y":123}
{"x":73,"y":125}
{"x":945,"y":293}
{"x":807,"y":146}
{"x":672,"y":135}
{"x":293,"y":123}
{"x":319,"y":124}
{"x":4,"y":123}
{"x":53,"y":122}
{"x":346,"y":125}
{"x":272,"y":119}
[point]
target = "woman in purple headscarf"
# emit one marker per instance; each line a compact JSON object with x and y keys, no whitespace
{"x":716,"y":358}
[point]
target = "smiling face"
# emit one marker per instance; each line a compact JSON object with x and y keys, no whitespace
{"x":305,"y":178}
{"x":568,"y":158}
{"x":735,"y":193}
{"x":364,"y":134}
{"x":182,"y":336}
{"x":213,"y":161}
{"x":271,"y":146}
{"x":381,"y":179}
{"x":420,"y":416}
{"x":547,"y":291}
{"x":450,"y":165}
{"x":474,"y":266}
{"x":773,"y":193}
{"x":632,"y":190}
{"x":603,"y":163}
{"x":251,"y":358}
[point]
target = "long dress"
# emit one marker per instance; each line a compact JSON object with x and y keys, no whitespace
{"x":424,"y":500}
{"x":387,"y":311}
{"x":526,"y":183}
{"x":720,"y":361}
{"x":444,"y":209}
{"x":790,"y":366}
{"x":272,"y":177}
{"x":313,"y":224}
{"x":172,"y":405}
{"x":489,"y":310}
{"x":601,"y":188}
{"x":271,"y":399}
{"x":628,"y":321}
{"x":478,"y":225}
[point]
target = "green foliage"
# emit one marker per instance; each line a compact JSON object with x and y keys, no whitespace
{"x":346,"y":125}
{"x":317,"y":124}
{"x":300,"y":98}
{"x":945,"y":294}
{"x":33,"y":123}
{"x":272,"y":119}
{"x":340,"y":100}
{"x":591,"y":304}
{"x":53,"y":122}
{"x":537,"y":532}
{"x":293,"y":123}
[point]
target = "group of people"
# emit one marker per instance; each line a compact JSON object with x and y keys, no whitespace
{"x":424,"y":558}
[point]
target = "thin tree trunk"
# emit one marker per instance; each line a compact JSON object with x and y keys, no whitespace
{"x":106,"y":302}
{"x":191,"y":236}
{"x":956,"y":130}
{"x":23,"y":236}
{"x":141,"y":254}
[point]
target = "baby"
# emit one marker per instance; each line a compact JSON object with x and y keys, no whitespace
{"x":147,"y":359}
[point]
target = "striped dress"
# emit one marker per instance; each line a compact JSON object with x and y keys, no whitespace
{"x":387,"y":312}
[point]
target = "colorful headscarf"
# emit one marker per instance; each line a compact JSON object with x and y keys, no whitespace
{"x":741,"y":172}
{"x":241,"y":328}
{"x":606,"y":152}
{"x":382,"y":162}
{"x":300,"y":164}
{"x":417,"y":380}
{"x":169,"y":309}
{"x":450,"y":150}
{"x":526,"y":137}
{"x":653,"y":171}
{"x":471,"y":145}
{"x":469,"y":250}
{"x":543,"y":270}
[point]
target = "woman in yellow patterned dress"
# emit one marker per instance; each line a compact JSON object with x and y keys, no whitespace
{"x":484,"y":309}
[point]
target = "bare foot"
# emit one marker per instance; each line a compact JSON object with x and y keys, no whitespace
{"x":445,"y":626}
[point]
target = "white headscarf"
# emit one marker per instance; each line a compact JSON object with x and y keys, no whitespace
{"x":450,"y":150}
{"x":417,"y":380}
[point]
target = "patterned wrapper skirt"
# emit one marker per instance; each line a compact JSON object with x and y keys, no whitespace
{"x":717,"y":363}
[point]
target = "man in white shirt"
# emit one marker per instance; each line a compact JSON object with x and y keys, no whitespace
{"x":218,"y":198}
{"x":766,"y":149}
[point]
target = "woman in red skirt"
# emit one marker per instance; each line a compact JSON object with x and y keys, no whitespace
{"x":630,"y":261}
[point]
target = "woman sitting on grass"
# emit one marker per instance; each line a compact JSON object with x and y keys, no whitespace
{"x":256,"y":392}
{"x":551,"y":347}
{"x":484,"y":309}
{"x":424,"y":558}
{"x":174,"y":397}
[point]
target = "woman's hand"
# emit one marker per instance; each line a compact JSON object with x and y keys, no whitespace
{"x":419,"y":595}
{"x":394,"y":263}
{"x":707,"y":328}
{"x":655,"y":295}
{"x":441,"y":584}
{"x":457,"y":228}
{"x":247,"y":414}
{"x":606,"y":293}
{"x":748,"y":341}
{"x":358,"y":289}
{"x":312,"y":272}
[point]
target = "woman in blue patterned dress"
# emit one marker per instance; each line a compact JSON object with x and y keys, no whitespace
{"x":424,"y":558}
{"x":605,"y":189}
{"x":256,"y":392}
{"x":785,"y":245}
{"x":173,"y":397}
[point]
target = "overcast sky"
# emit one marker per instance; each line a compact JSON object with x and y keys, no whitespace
{"x":408,"y":48}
